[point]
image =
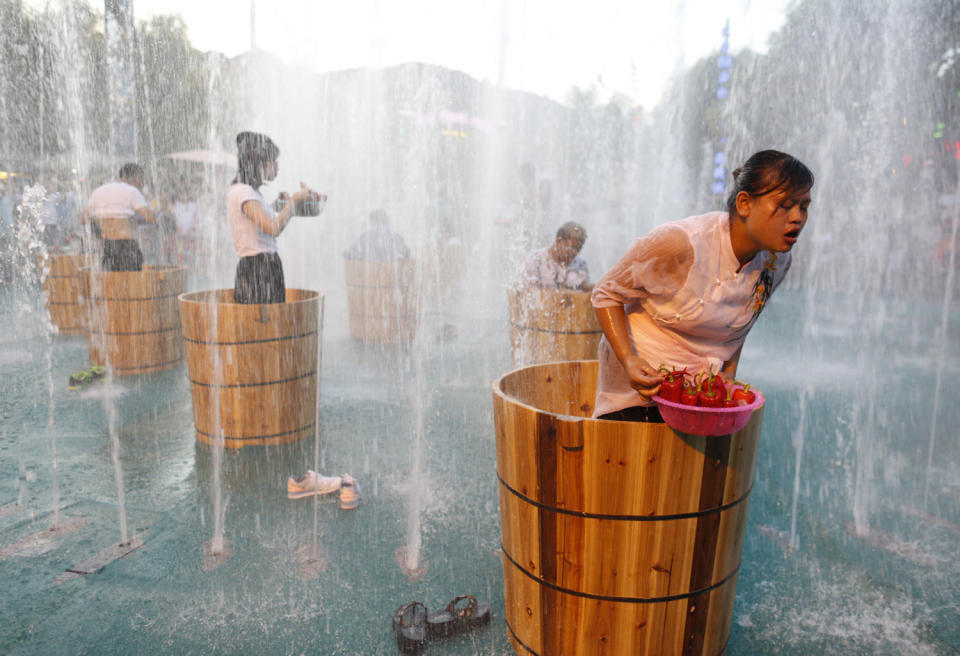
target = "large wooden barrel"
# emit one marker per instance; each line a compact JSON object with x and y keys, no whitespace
{"x":617,"y":537}
{"x":132,"y":318}
{"x":63,"y":284}
{"x":381,"y":300}
{"x":552,"y":325}
{"x":253,"y":368}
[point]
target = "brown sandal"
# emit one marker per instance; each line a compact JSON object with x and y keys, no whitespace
{"x":458,"y":617}
{"x":410,"y":627}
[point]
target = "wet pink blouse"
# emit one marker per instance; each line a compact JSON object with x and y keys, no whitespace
{"x":687,"y":301}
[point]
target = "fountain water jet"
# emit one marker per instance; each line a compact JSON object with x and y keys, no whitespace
{"x":942,"y":338}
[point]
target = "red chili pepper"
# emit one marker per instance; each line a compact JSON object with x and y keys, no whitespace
{"x":728,"y":401}
{"x":745,"y":395}
{"x":718,"y":386}
{"x":691,"y":395}
{"x":710,"y":397}
{"x":672,"y":386}
{"x":671,"y":390}
{"x":715,"y":382}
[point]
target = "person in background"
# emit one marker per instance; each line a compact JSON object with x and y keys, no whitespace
{"x":560,"y":266}
{"x":184,"y":209}
{"x":255,"y":226}
{"x":115,"y":208}
{"x":52,"y":231}
{"x":687,"y":294}
{"x":378,"y":243}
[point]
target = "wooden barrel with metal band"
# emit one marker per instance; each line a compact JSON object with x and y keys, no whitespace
{"x":132,"y":318}
{"x":552,"y":325}
{"x":253,"y":368}
{"x":617,"y":537}
{"x":63,"y":284}
{"x":381,"y":300}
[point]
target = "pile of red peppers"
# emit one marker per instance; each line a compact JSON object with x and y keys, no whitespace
{"x":704,"y":389}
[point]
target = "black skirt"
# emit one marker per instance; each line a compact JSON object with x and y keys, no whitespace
{"x":645,"y":413}
{"x":259,"y":279}
{"x":121,"y":255}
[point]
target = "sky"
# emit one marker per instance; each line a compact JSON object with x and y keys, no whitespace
{"x":628,"y":47}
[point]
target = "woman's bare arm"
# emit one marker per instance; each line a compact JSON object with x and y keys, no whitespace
{"x":643,"y":377}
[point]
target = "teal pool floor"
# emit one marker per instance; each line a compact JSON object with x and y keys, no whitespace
{"x":855,"y":554}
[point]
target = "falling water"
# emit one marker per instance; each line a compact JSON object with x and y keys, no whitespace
{"x":412,"y":565}
{"x":32,"y":245}
{"x":216,"y":547}
{"x":97,"y":337}
{"x":943,"y":339}
{"x":110,"y":408}
{"x":51,"y":408}
{"x":311,"y":556}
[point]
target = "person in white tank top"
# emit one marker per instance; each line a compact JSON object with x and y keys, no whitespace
{"x":687,"y":294}
{"x":113,"y":210}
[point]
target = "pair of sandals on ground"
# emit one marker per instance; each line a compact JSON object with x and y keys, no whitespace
{"x":414,"y":626}
{"x":81,"y":378}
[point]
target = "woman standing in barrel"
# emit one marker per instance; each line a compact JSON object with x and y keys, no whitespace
{"x":687,"y":294}
{"x":254,"y":224}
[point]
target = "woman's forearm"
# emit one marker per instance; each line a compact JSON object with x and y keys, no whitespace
{"x":643,"y":377}
{"x":613,"y":322}
{"x":271,"y":225}
{"x":283,"y":218}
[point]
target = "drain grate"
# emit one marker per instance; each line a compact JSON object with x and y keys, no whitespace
{"x":102,"y":559}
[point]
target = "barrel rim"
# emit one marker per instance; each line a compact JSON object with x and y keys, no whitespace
{"x":383,"y":262}
{"x":498,"y":392}
{"x":536,"y":329}
{"x":516,"y":289}
{"x":196,"y":297}
{"x":147,"y":268}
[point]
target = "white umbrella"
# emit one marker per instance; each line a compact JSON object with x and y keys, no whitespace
{"x":215,"y":157}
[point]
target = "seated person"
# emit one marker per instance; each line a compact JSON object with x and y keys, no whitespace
{"x":559,"y":266}
{"x":379,"y":243}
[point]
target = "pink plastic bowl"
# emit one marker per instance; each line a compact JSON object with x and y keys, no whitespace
{"x":695,"y":420}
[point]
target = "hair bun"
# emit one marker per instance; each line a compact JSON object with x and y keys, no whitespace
{"x":736,"y":173}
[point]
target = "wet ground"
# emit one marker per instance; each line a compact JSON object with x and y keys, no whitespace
{"x":855,"y":554}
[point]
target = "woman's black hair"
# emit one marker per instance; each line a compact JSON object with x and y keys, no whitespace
{"x":768,"y":171}
{"x":253,"y":151}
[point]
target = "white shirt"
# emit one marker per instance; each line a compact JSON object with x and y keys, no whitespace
{"x":185,"y":214}
{"x":541,"y":269}
{"x":687,"y":305}
{"x":115,"y":200}
{"x":378,"y":244}
{"x":248,"y":238}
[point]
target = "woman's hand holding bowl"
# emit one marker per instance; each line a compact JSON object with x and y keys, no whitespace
{"x":302,"y":194}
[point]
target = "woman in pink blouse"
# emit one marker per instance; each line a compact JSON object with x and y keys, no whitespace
{"x":254,"y":224}
{"x":687,"y":294}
